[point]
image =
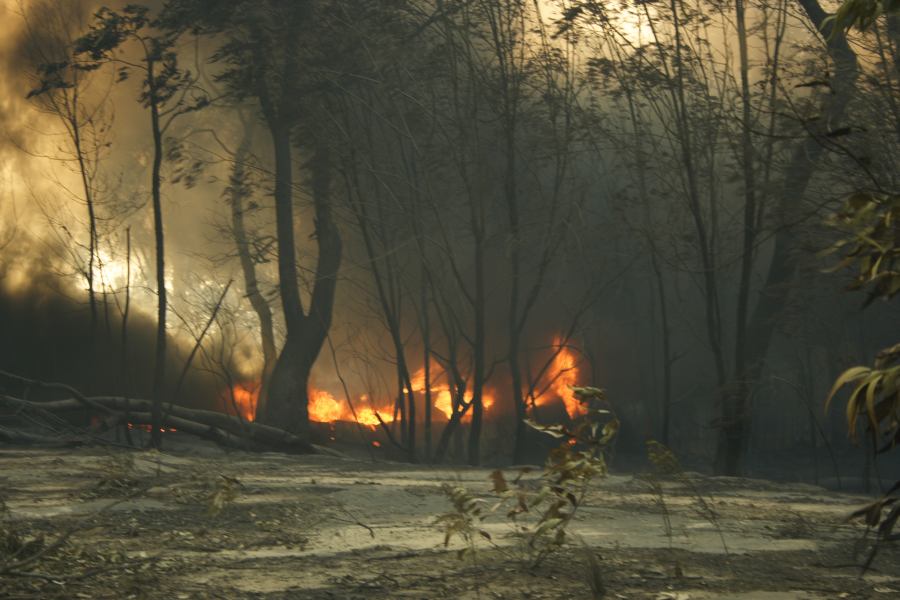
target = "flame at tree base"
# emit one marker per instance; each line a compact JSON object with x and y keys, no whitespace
{"x":243,"y":399}
{"x":324,"y":408}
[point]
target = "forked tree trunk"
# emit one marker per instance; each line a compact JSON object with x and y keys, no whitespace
{"x":288,"y":395}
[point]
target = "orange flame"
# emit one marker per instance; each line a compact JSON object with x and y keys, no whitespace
{"x":444,"y":402}
{"x":244,"y":398}
{"x":324,"y":408}
{"x":563,"y":375}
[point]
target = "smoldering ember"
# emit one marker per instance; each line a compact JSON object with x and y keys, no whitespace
{"x":450,"y":299}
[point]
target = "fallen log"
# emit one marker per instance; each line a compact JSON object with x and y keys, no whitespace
{"x":221,"y":428}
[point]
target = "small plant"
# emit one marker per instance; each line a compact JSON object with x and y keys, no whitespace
{"x":464,"y":520}
{"x":881,"y":516}
{"x":667,"y":465}
{"x":16,"y":546}
{"x":540,"y":515}
{"x":225,"y":491}
{"x":871,"y":246}
{"x":119,"y":477}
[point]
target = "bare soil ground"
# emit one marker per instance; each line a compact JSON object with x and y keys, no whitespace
{"x":146,"y":525}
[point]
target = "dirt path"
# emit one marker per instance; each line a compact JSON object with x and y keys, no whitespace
{"x":145,"y":525}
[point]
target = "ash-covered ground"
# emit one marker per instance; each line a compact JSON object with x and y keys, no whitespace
{"x":200,"y":523}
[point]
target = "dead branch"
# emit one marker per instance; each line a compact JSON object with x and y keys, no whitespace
{"x":12,"y":436}
{"x":34,"y":383}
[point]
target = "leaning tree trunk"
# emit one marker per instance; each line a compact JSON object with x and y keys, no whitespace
{"x":783,"y":265}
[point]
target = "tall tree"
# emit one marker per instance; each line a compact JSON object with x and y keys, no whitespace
{"x":269,"y":52}
{"x":166,"y":92}
{"x":60,"y":91}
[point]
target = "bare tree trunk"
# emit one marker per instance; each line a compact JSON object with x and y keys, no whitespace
{"x":478,"y":379}
{"x":159,"y":373}
{"x":89,"y":201}
{"x":426,"y":343}
{"x":666,"y":417}
{"x":124,"y":333}
{"x":731,"y":437}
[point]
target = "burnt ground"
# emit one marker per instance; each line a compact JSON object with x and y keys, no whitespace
{"x":198,"y":523}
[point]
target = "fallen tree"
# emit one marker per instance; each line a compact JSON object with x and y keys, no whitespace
{"x":111,"y":411}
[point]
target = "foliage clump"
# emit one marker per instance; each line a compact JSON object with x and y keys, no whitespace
{"x":538,"y":511}
{"x":862,"y":14}
{"x":871,"y":223}
{"x":871,"y":246}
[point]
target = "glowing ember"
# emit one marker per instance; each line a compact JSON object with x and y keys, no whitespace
{"x":146,"y":427}
{"x":243,"y":400}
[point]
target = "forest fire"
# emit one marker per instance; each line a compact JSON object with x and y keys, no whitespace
{"x":562,"y":374}
{"x":409,"y":276}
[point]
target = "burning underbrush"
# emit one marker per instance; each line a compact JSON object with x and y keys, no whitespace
{"x":553,"y":384}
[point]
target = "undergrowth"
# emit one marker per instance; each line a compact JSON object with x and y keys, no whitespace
{"x":538,"y":512}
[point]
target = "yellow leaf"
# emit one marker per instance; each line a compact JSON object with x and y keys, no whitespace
{"x":846,"y":377}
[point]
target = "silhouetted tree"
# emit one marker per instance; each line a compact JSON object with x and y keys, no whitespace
{"x":167,"y":92}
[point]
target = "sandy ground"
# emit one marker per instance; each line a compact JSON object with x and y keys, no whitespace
{"x":326,"y":527}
